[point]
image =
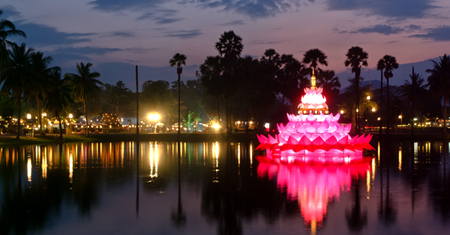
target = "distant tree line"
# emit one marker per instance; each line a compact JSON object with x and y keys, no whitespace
{"x":228,"y":87}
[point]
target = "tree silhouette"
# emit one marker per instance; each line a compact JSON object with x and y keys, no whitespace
{"x":178,"y":60}
{"x":211,"y":78}
{"x":331,"y":86}
{"x":413,"y":93}
{"x":314,"y":57}
{"x":380,"y":67}
{"x":40,"y":71}
{"x":17,"y":80}
{"x":85,"y":86}
{"x":229,"y":47}
{"x":59,"y":91}
{"x":7,"y":29}
{"x":290,"y":80}
{"x":356,"y":58}
{"x":439,"y":82}
{"x":390,"y":63}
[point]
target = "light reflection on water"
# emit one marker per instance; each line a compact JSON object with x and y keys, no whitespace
{"x":93,"y":188}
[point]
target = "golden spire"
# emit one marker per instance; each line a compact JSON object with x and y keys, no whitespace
{"x":313,"y":81}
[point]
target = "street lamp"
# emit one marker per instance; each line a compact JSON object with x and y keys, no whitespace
{"x":154,"y":118}
{"x":401,"y":121}
{"x":32,"y":126}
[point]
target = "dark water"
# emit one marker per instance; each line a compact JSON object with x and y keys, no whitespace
{"x":94,"y":188}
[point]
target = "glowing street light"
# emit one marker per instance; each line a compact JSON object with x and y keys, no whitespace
{"x":70,"y":115}
{"x":29,"y":116}
{"x":373,"y":110}
{"x":153,"y":117}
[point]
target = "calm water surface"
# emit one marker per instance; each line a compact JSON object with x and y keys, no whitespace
{"x":97,"y":188}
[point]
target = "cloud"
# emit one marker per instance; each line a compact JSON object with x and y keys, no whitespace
{"x":234,"y":22}
{"x":184,"y":33}
{"x":123,"y":34}
{"x":413,"y":27}
{"x":162,"y":20}
{"x":9,"y":12}
{"x":441,"y":33}
{"x":382,"y":29}
{"x":42,"y":35}
{"x":86,"y":50}
{"x":151,"y":9}
{"x":399,"y":9}
{"x":140,"y":50}
{"x":63,"y":58}
{"x":254,"y":9}
{"x":264,"y":43}
{"x":117,"y":5}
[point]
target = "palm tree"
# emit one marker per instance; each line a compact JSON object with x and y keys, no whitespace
{"x":16,"y":81}
{"x":439,"y":82}
{"x":314,"y":57}
{"x":390,"y":63}
{"x":229,"y":47}
{"x":7,"y":29}
{"x":178,"y":60}
{"x":356,"y":58}
{"x":380,"y":67}
{"x":40,"y":72}
{"x":413,"y":93}
{"x":59,"y":91}
{"x":85,"y":86}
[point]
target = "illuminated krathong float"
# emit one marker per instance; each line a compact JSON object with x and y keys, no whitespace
{"x":314,"y":135}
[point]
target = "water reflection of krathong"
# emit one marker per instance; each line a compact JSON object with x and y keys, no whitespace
{"x":314,"y":185}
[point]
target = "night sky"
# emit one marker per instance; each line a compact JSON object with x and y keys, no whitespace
{"x":116,"y":35}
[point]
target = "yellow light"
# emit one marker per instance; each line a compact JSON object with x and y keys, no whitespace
{"x":342,"y":111}
{"x":154,"y":117}
{"x":368,"y":97}
{"x":216,"y":126}
{"x":70,"y":115}
{"x":399,"y":116}
{"x":29,"y":116}
{"x":373,"y":109}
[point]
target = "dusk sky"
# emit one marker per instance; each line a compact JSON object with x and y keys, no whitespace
{"x":116,"y":35}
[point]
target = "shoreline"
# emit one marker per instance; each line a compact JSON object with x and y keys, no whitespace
{"x":10,"y":140}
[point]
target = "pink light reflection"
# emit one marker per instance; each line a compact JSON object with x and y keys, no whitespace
{"x":313,"y":185}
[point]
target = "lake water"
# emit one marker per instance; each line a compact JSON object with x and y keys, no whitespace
{"x":97,"y":188}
